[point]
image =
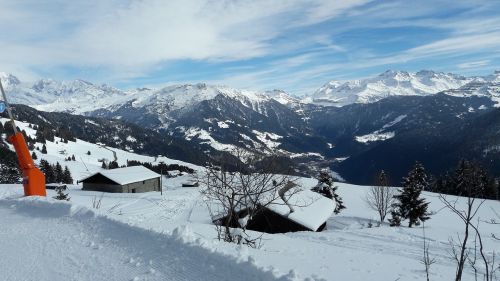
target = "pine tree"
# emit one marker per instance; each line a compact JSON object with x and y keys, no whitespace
{"x":103,"y":165}
{"x":44,"y":149}
{"x":33,"y":155}
{"x":58,"y":172}
{"x":471,"y":180}
{"x":48,"y":170}
{"x":88,"y":152}
{"x":113,"y":165}
{"x":67,"y":178}
{"x":9,"y":174}
{"x":395,"y":219}
{"x":327,"y":188}
{"x":60,"y":194}
{"x":73,"y":157}
{"x":409,"y":204}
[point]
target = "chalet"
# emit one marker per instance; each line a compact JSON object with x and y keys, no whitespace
{"x":133,"y":179}
{"x":305,"y":210}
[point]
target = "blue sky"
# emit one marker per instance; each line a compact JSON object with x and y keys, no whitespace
{"x":273,"y":44}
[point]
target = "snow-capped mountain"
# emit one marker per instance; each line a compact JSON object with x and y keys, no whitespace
{"x":197,"y":120}
{"x":76,"y":96}
{"x":487,"y":86}
{"x":389,"y":83}
{"x":82,"y":97}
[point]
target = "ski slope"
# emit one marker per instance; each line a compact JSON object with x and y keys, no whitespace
{"x":149,"y":226}
{"x":86,"y":164}
{"x":58,"y":241}
{"x":150,"y":236}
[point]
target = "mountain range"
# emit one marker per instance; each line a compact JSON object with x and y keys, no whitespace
{"x":354,"y":127}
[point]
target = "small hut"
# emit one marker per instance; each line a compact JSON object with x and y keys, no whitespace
{"x":305,"y":210}
{"x":134,"y":179}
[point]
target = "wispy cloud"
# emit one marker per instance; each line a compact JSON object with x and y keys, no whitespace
{"x":473,"y":64}
{"x":296,"y":45}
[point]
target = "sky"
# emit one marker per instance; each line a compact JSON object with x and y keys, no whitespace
{"x":295,"y":45}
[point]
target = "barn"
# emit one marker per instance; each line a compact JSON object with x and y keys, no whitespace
{"x":134,"y":179}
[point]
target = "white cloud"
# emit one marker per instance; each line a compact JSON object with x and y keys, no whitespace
{"x":473,"y":64}
{"x":140,"y":34}
{"x":121,"y":40}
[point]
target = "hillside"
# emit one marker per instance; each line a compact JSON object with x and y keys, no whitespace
{"x":178,"y":225}
{"x":406,"y":120}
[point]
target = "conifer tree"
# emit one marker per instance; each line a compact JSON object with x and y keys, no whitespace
{"x":113,"y":165}
{"x":33,"y":155}
{"x":9,"y":174}
{"x":44,"y":149}
{"x":67,"y":178}
{"x":73,"y":157}
{"x":409,"y":205}
{"x":58,"y":172}
{"x":47,"y":169}
{"x":327,"y":188}
{"x":60,"y":194}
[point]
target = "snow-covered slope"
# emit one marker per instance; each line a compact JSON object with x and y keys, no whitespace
{"x":171,"y":237}
{"x":64,"y":242}
{"x":88,"y":156}
{"x":389,"y":83}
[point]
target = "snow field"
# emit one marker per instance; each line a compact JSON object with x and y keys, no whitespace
{"x":348,"y":250}
{"x":49,"y":240}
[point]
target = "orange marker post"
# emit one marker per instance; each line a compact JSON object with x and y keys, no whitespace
{"x":33,"y":178}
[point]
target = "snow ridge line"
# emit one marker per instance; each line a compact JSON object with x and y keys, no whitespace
{"x":177,"y":255}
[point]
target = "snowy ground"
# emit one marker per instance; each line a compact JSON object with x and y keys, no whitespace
{"x":170,"y":237}
{"x":152,"y":237}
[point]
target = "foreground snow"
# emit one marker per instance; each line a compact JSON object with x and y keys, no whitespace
{"x":174,"y":232}
{"x":48,"y":240}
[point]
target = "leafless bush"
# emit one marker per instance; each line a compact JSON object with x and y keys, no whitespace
{"x":235,"y":197}
{"x":96,"y":202}
{"x":470,"y":179}
{"x":427,"y":261}
{"x":380,"y":197}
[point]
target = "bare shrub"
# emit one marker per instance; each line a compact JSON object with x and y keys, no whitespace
{"x":235,"y":197}
{"x":381,"y":197}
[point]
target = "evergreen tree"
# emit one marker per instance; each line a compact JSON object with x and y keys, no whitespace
{"x":113,"y":165}
{"x":9,"y":174}
{"x":88,"y":152}
{"x":73,"y":157}
{"x":409,"y":205}
{"x":58,"y":172}
{"x":33,"y":155}
{"x":327,"y":188}
{"x":60,"y":194}
{"x":471,"y":180}
{"x":67,"y":178}
{"x":44,"y":149}
{"x":47,"y":169}
{"x":103,"y":165}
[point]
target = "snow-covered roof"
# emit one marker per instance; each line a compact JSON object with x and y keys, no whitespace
{"x":127,"y":175}
{"x":310,"y":209}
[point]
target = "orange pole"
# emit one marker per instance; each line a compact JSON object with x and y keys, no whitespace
{"x":33,"y":178}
